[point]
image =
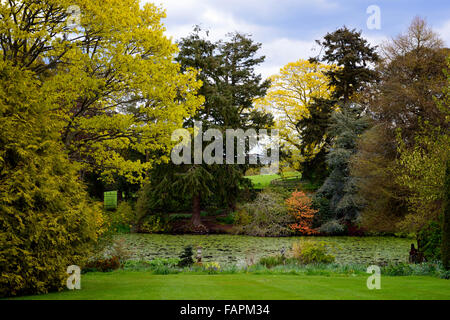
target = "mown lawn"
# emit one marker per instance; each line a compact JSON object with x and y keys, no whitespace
{"x":263,"y":181}
{"x":144,"y":285}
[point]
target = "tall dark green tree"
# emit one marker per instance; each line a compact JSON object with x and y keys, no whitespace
{"x":314,"y":133}
{"x":354,"y":57}
{"x":230,"y":84}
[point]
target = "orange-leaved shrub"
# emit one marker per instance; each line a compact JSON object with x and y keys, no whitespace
{"x":300,"y":207}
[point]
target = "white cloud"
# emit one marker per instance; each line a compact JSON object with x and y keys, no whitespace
{"x":444,"y":32}
{"x":282,"y":51}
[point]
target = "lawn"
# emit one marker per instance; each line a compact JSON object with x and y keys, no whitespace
{"x":263,"y":181}
{"x":144,"y":285}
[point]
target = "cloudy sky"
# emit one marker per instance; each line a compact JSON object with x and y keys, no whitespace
{"x":287,"y":28}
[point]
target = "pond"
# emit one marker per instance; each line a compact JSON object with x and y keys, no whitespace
{"x":232,"y":249}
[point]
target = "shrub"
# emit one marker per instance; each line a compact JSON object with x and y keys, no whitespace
{"x":122,"y":219}
{"x":272,"y":261}
{"x":229,"y":219}
{"x":267,"y":216}
{"x":430,"y":239}
{"x":332,"y":228}
{"x":47,"y":221}
{"x":155,"y":224}
{"x":299,"y":206}
{"x":103,"y":265}
{"x":186,"y":259}
{"x":307,"y":252}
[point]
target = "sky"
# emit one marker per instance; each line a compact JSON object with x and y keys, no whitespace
{"x":287,"y":28}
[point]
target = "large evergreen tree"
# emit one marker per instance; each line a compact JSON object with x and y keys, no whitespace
{"x":230,"y":84}
{"x":353,"y":56}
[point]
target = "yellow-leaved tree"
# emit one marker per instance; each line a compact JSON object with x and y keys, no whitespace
{"x":293,"y":91}
{"x":112,"y":70}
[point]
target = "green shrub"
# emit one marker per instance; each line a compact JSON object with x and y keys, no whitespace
{"x":267,"y":216}
{"x":229,"y":219}
{"x":430,"y":238}
{"x":122,"y":219}
{"x":309,"y":252}
{"x":47,"y":222}
{"x":186,"y":259}
{"x":272,"y":261}
{"x":155,"y":224}
{"x":332,"y":228}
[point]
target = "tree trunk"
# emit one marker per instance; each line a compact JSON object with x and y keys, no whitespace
{"x":196,"y":214}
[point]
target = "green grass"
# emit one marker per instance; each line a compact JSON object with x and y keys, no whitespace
{"x":144,"y":285}
{"x":263,"y":181}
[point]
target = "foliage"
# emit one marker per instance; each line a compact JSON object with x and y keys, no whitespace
{"x":103,"y":265}
{"x":352,"y":54}
{"x":445,"y":250}
{"x":47,"y":222}
{"x":267,"y":216}
{"x":272,"y":261}
{"x":229,"y":219}
{"x":211,"y":267}
{"x":229,"y":86}
{"x":299,"y":206}
{"x":430,"y":239}
{"x":118,"y":88}
{"x":291,"y":94}
{"x":155,"y":224}
{"x":332,"y":228}
{"x":421,"y":170}
{"x":314,"y":132}
{"x":340,"y":187}
{"x":373,"y":168}
{"x":123,"y":218}
{"x":308,"y":252}
{"x":186,"y":259}
{"x":407,"y":96}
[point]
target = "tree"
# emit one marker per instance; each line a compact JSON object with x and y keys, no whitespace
{"x":47,"y":222}
{"x":353,"y":56}
{"x":295,"y":97}
{"x":340,"y":187}
{"x":229,"y":85}
{"x":113,"y":71}
{"x":314,"y":133}
{"x":421,"y":170}
{"x":406,"y":97}
{"x":445,"y":251}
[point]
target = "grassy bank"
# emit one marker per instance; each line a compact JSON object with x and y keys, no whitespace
{"x":144,"y":285}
